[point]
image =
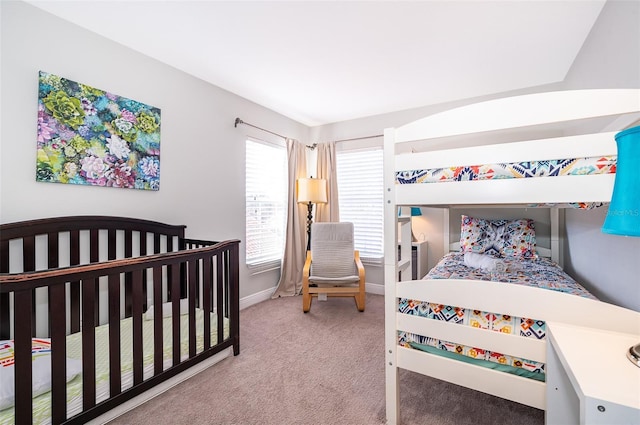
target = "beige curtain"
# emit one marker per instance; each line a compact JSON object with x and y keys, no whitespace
{"x":295,"y":247}
{"x":327,"y":170}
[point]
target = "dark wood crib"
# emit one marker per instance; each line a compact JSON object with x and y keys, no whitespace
{"x":99,"y":270}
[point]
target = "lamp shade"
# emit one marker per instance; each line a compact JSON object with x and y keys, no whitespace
{"x":623,"y":217}
{"x":312,"y":190}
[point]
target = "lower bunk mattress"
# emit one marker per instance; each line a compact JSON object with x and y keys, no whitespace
{"x":537,"y":272}
{"x":41,"y":349}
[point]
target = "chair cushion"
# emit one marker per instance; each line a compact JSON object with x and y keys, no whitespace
{"x":332,"y":281}
{"x":332,"y":251}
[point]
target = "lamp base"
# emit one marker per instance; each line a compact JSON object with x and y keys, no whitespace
{"x":634,"y":354}
{"x":309,"y":221}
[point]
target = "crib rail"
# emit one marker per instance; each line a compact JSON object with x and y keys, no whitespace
{"x":205,"y":266}
{"x":50,"y":243}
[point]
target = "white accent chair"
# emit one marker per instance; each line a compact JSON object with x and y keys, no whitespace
{"x":333,"y":266}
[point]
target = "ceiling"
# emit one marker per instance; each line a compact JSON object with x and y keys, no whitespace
{"x":320,"y":62}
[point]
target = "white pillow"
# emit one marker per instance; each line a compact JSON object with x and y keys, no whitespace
{"x":167,"y":309}
{"x":40,"y":366}
{"x":484,"y":262}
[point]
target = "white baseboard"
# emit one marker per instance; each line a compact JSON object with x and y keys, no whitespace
{"x":160,"y":388}
{"x":374,"y":288}
{"x":252,"y":299}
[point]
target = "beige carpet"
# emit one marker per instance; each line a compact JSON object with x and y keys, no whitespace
{"x":323,"y":367}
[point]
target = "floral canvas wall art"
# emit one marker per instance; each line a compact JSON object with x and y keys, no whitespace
{"x":89,"y":136}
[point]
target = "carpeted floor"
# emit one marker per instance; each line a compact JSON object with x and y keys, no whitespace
{"x":325,"y":367}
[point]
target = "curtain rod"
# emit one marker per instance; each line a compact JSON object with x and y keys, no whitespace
{"x":359,"y":138}
{"x":239,"y":121}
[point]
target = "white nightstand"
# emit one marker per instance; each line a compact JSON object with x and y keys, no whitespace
{"x":420,"y":259}
{"x":589,"y":378}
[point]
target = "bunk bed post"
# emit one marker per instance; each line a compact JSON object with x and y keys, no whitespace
{"x":446,"y":219}
{"x":556,"y":253}
{"x":390,"y":278}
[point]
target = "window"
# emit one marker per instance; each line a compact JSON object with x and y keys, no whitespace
{"x":360,"y":193}
{"x":266,"y":203}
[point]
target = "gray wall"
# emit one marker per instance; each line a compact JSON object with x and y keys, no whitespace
{"x":610,"y":58}
{"x":202,"y":154}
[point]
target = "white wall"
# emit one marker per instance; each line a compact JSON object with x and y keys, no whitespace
{"x":610,"y":58}
{"x":202,"y":154}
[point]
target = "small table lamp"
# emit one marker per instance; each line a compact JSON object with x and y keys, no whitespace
{"x":311,"y":191}
{"x":623,"y":217}
{"x":415,"y":212}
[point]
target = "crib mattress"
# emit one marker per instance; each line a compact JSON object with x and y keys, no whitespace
{"x":539,"y":272}
{"x":42,"y":403}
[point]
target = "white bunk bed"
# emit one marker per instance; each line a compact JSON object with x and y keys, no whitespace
{"x":410,"y":148}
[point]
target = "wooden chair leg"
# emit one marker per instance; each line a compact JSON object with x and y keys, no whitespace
{"x":360,"y":301}
{"x":306,"y":301}
{"x":306,"y":296}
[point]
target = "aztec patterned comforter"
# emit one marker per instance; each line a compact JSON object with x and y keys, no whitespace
{"x":539,"y":272}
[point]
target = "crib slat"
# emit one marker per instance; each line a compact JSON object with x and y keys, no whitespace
{"x":52,"y":263}
{"x":143,"y":252}
{"x":5,"y":329}
{"x":52,"y":250}
{"x":169,"y":244}
{"x":94,"y":244}
{"x":157,"y":321}
{"x":4,"y":256}
{"x":23,"y":306}
{"x":88,"y":344}
{"x":197,"y":280}
{"x":136,"y":307}
{"x":175,"y":299}
{"x":234,"y":296}
{"x":227,"y":293}
{"x":115,"y":374}
{"x":111,"y":244}
{"x":220,"y":297}
{"x":29,"y":253}
{"x":206,"y":297}
{"x":28,"y":265}
{"x":193,"y":282}
{"x":94,"y":255}
{"x":74,"y":247}
{"x":58,"y":353}
{"x":74,"y":287}
{"x":169,"y":267}
{"x":128,"y":253}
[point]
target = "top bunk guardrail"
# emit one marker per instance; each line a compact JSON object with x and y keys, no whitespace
{"x":479,"y":123}
{"x":523,"y":111}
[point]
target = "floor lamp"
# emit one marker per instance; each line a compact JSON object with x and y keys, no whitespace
{"x":311,"y":191}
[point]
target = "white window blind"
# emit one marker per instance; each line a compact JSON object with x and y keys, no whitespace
{"x":266,"y":203}
{"x":360,"y":193}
